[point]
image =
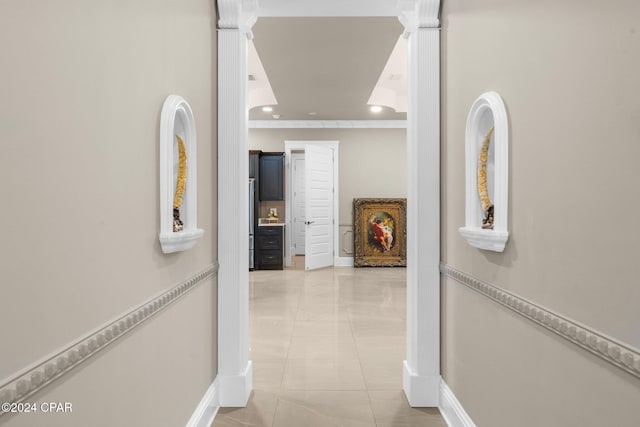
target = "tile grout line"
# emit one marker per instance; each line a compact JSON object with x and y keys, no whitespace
{"x":329,"y":293}
{"x":353,"y":336}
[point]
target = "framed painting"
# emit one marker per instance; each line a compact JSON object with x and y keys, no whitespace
{"x":380,"y":231}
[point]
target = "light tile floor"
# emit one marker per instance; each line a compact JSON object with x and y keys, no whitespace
{"x":327,"y":349}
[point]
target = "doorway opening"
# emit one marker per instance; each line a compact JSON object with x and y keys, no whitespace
{"x":421,"y":369}
{"x":314,"y":197}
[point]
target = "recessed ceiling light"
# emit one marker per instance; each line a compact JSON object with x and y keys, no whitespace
{"x":267,"y":109}
{"x":276,"y":116}
{"x":313,"y":113}
{"x":376,"y":108}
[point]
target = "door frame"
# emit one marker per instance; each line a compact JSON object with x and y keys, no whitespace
{"x":295,"y":250}
{"x":421,"y":370}
{"x":299,"y":145}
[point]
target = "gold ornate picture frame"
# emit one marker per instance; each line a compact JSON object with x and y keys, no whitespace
{"x":380,"y":231}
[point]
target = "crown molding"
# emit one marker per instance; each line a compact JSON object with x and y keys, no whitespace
{"x":237,"y":14}
{"x":37,"y":376}
{"x":327,"y":124}
{"x":412,"y":13}
{"x":623,"y":356}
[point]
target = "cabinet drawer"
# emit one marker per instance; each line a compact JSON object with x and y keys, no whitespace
{"x":270,"y":242}
{"x":266,"y":230}
{"x":270,"y":258}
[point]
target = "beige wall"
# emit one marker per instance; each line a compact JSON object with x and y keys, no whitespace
{"x":372,"y":164}
{"x":82,"y":86}
{"x":567,"y":72}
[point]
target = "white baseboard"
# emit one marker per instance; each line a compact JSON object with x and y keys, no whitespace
{"x":235,"y":390}
{"x":343,"y":261}
{"x":207,"y":408}
{"x":451,"y":409}
{"x":421,"y":391}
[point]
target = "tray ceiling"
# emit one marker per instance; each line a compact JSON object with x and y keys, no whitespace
{"x":328,"y":66}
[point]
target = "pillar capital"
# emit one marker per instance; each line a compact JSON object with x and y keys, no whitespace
{"x":237,"y":14}
{"x":414,"y":14}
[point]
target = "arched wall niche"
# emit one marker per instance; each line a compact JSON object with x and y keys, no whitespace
{"x":487,"y":111}
{"x":177,"y":120}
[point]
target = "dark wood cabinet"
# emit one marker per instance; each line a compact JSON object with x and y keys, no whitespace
{"x":271,"y":175}
{"x":254,"y":163}
{"x":269,"y":248}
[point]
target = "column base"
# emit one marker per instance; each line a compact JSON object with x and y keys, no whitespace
{"x":235,"y":390}
{"x":421,"y":391}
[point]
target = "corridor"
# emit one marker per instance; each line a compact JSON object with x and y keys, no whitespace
{"x":327,"y":349}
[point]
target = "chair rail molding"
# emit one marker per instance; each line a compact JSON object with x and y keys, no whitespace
{"x":619,"y":354}
{"x":35,"y":377}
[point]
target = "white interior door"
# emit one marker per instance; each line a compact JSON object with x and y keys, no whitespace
{"x":318,"y":207}
{"x":299,"y":196}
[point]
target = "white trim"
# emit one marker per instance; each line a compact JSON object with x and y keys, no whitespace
{"x":208,"y":407}
{"x":233,"y":217}
{"x":343,"y":261}
{"x":423,"y":130}
{"x":420,"y":390}
{"x":237,"y":388}
{"x":290,"y":146}
{"x":422,"y":365}
{"x":414,"y":14}
{"x":293,"y":224}
{"x":487,"y":111}
{"x":327,"y":124}
{"x":451,"y":409}
{"x":237,"y":14}
{"x":624,"y":356}
{"x":33,"y":378}
{"x":177,"y":119}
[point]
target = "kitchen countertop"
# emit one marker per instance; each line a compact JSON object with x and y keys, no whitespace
{"x":269,"y":224}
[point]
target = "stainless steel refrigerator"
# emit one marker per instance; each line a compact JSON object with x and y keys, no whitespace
{"x":251,"y":222}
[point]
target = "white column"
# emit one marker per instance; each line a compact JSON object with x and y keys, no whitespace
{"x":234,"y":366}
{"x":421,"y":374}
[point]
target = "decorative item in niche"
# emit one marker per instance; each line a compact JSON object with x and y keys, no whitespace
{"x":483,"y":191}
{"x":178,"y":225}
{"x":487,"y":174}
{"x":380,"y":232}
{"x":178,"y":173}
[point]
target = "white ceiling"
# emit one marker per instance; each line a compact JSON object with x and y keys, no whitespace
{"x":325,"y":65}
{"x":327,"y":8}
